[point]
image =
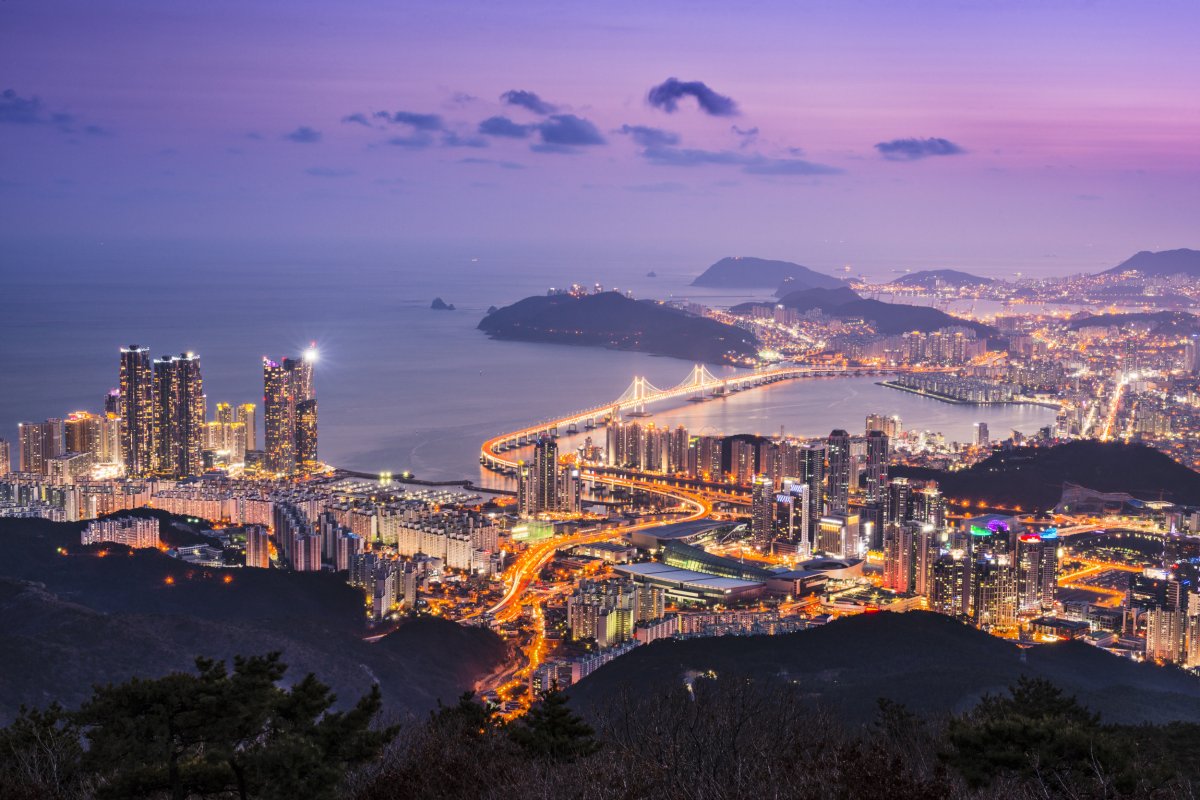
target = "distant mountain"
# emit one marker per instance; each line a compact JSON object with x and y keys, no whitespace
{"x":68,"y":622}
{"x":747,"y":272}
{"x":612,"y":320}
{"x":1164,"y":262}
{"x":932,"y":278}
{"x":1156,"y":322}
{"x":887,"y":318}
{"x":1032,"y":477}
{"x":929,"y":663}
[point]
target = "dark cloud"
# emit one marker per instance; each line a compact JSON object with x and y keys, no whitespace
{"x":668,"y":94}
{"x":491,"y":162}
{"x":462,"y":98}
{"x":420,"y":122}
{"x":562,"y":132}
{"x":645,"y":136}
{"x":752,"y":164}
{"x":17,"y":110}
{"x":357,"y":119}
{"x":749,"y":136}
{"x":528,"y":100}
{"x":914,"y":149}
{"x":503,"y":126}
{"x":328,"y":172}
{"x":419,"y":140}
{"x":303,"y":135}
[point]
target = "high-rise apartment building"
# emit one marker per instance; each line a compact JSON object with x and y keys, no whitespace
{"x":877,"y":465}
{"x":178,"y":415}
{"x":5,"y":457}
{"x":33,"y":438}
{"x":838,"y":496}
{"x":137,"y":411}
{"x":258,"y":549}
{"x":245,"y":414}
{"x":290,"y":414}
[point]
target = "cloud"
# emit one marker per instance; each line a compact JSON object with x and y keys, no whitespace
{"x":462,"y":98}
{"x":328,"y":172}
{"x":17,"y":110}
{"x":668,"y":94}
{"x":488,"y":161}
{"x":561,"y":133}
{"x":645,"y":136}
{"x":420,"y":122}
{"x":303,"y":135}
{"x":529,"y":101}
{"x":503,"y":126}
{"x":452,"y":139}
{"x":914,"y":149}
{"x":750,"y":163}
{"x":417,"y":141}
{"x":749,"y":136}
{"x":357,"y":119}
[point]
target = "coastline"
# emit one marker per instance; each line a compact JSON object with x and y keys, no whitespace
{"x":960,"y":402}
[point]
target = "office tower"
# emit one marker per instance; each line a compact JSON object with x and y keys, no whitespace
{"x":246,"y":415}
{"x":1029,"y":572}
{"x":811,"y":469}
{"x":5,"y":458}
{"x":137,"y":411}
{"x":838,"y":535}
{"x":1049,"y":568}
{"x":929,"y":507}
{"x":178,"y":415}
{"x":290,"y":414}
{"x":950,"y":593}
{"x":981,"y":435}
{"x":877,"y":465}
{"x":898,"y":506}
{"x":258,"y":548}
{"x":545,"y":474}
{"x":762,"y":511}
{"x":839,"y":472}
{"x":792,"y":520}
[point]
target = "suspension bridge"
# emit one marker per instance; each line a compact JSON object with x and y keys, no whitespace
{"x":699,"y":385}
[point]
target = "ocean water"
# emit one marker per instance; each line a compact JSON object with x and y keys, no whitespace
{"x":400,"y":387}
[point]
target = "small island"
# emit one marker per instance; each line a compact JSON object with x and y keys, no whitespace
{"x":439,"y":304}
{"x":932,"y":279}
{"x":609,"y":319}
{"x":747,"y":272}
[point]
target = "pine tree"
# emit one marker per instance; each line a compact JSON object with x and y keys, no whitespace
{"x":552,"y":731}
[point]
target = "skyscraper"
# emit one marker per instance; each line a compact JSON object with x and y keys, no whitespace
{"x":137,"y":411}
{"x":178,"y":415}
{"x":982,"y":439}
{"x":762,"y":511}
{"x":33,"y":441}
{"x":877,"y":465}
{"x":545,"y":475}
{"x":290,"y":414}
{"x":839,"y":472}
{"x":246,"y":415}
{"x":811,"y":469}
{"x":5,"y":458}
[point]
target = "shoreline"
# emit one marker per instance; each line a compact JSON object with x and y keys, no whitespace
{"x":960,"y":402}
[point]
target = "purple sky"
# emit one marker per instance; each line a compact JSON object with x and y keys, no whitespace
{"x":972,"y":132}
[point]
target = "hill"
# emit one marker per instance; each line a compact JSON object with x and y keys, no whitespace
{"x":747,"y":272}
{"x":67,"y":622}
{"x":1179,"y":322}
{"x":933,"y":278}
{"x":612,"y":320}
{"x":930,"y":663}
{"x":1183,"y":261}
{"x":887,"y":318}
{"x":1032,"y":477}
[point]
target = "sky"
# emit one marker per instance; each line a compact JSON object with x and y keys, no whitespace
{"x":972,"y":133}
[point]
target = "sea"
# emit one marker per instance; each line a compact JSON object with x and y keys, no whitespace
{"x":400,"y":387}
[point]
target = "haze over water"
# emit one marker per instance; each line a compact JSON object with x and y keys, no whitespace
{"x":400,"y":387}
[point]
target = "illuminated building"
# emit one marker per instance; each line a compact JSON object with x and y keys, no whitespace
{"x":877,"y":465}
{"x":924,"y":554}
{"x":838,"y":535}
{"x":898,"y":505}
{"x":950,"y":593}
{"x":1049,"y":568}
{"x":258,"y":551}
{"x":792,"y":520}
{"x":929,"y":507}
{"x":704,"y":457}
{"x":762,"y":511}
{"x":993,"y":592}
{"x":137,"y":411}
{"x":133,"y":532}
{"x":810,"y":468}
{"x":245,"y":414}
{"x":544,"y":488}
{"x":897,"y":557}
{"x":1165,"y":634}
{"x":5,"y":457}
{"x":891,"y":426}
{"x":290,"y":415}
{"x":1029,"y":572}
{"x":981,"y":435}
{"x":178,"y":415}
{"x":69,"y":467}
{"x":838,"y":498}
{"x":33,"y":439}
{"x":743,"y":460}
{"x":570,"y":492}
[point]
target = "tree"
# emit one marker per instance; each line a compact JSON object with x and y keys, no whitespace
{"x":217,"y":732}
{"x":40,"y":756}
{"x":1037,"y":732}
{"x":550,"y":730}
